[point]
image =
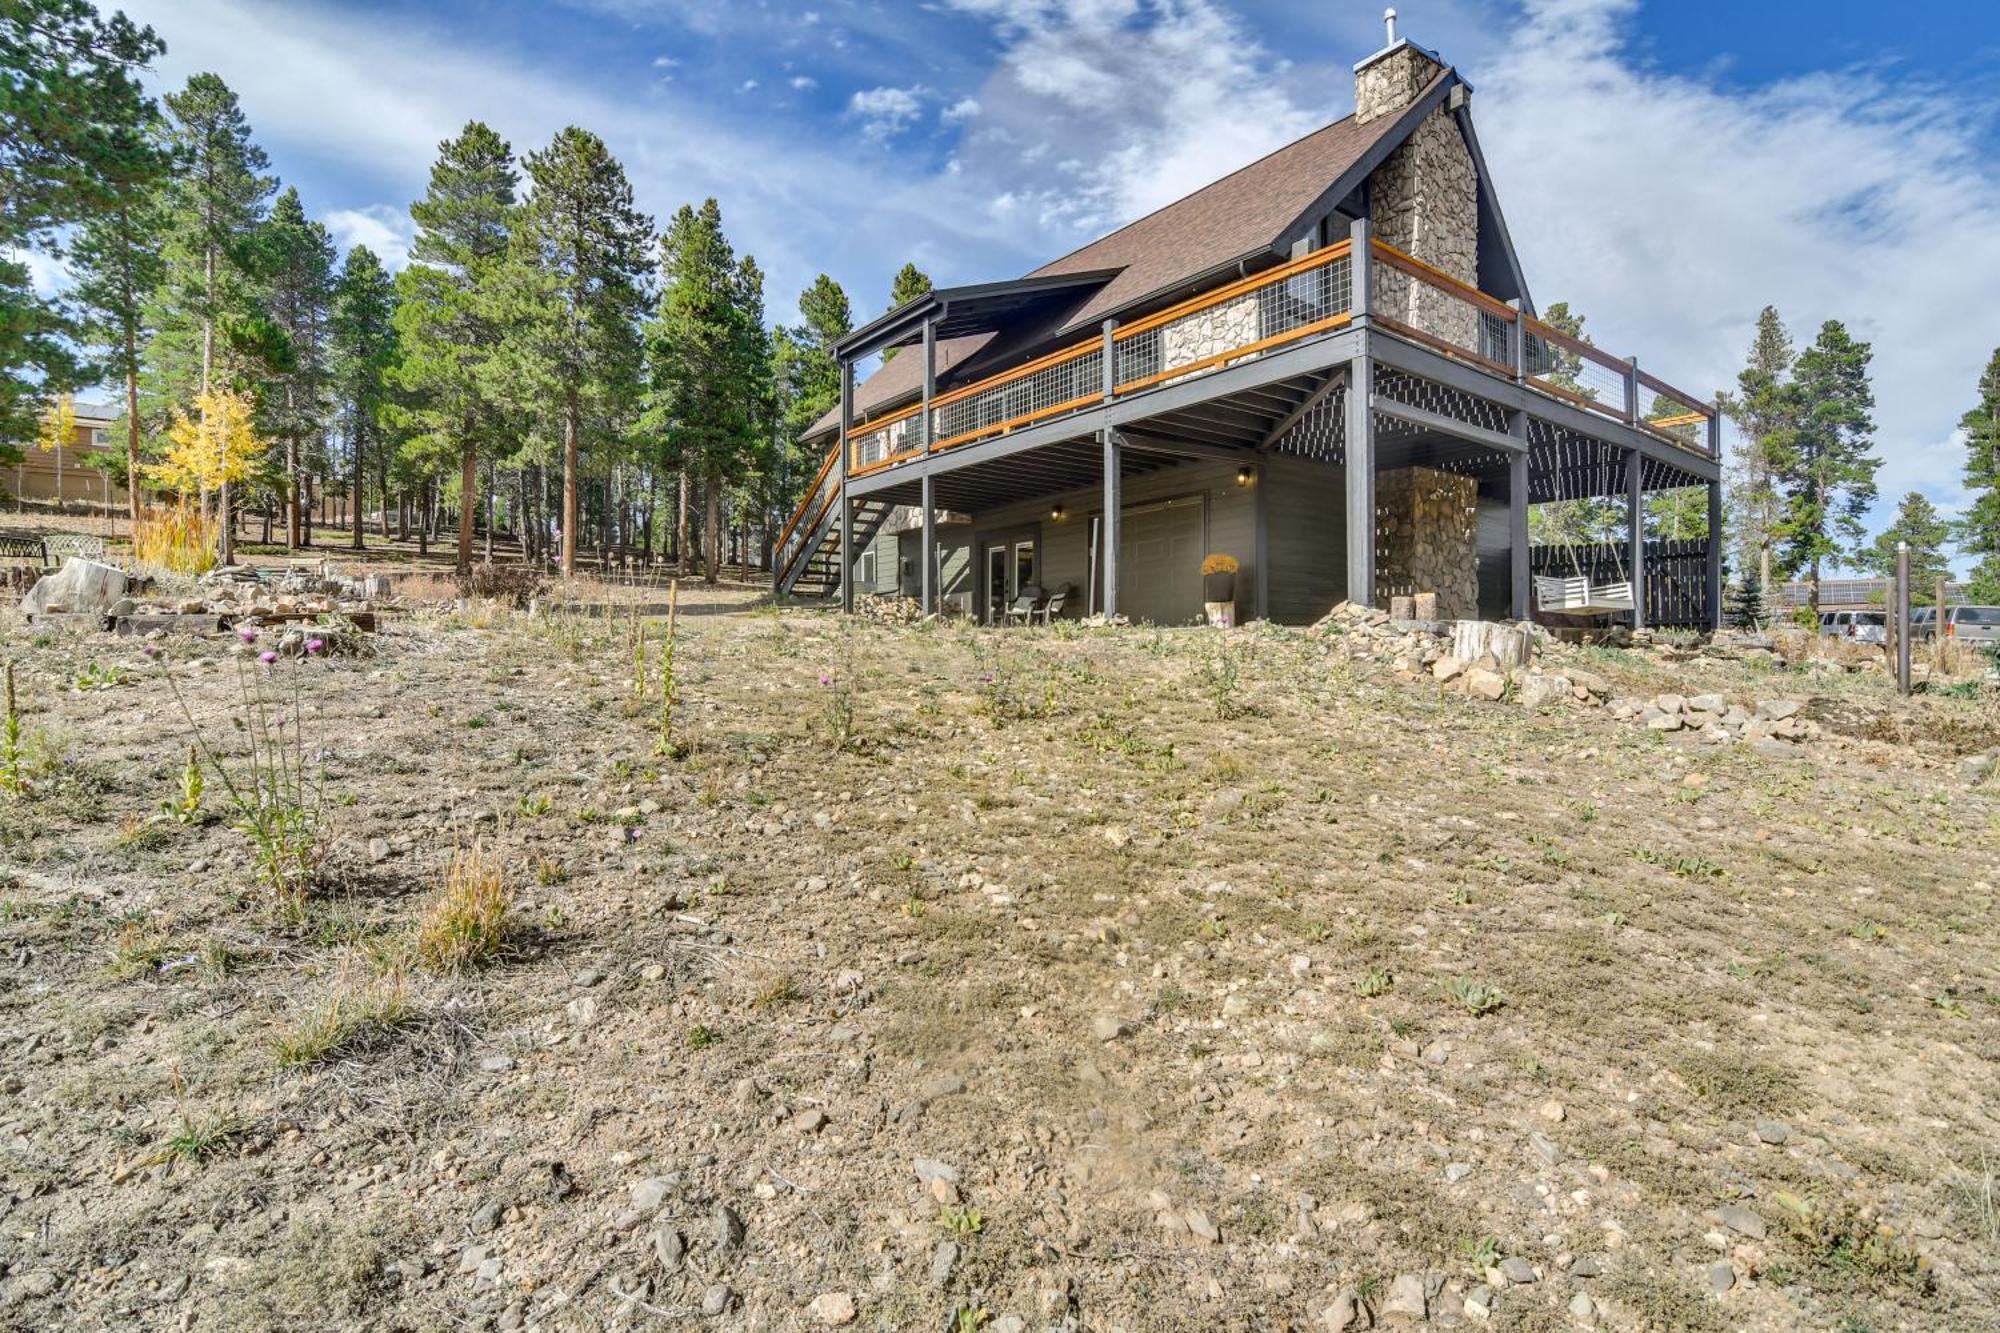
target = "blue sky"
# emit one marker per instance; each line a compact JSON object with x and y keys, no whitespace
{"x":1668,"y":166}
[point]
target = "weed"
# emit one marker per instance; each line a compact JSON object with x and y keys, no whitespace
{"x":1851,"y":1248}
{"x":1475,"y":997}
{"x":550,"y":872}
{"x":1867,"y":930}
{"x":139,"y":949}
{"x":95,"y":677}
{"x":1375,"y":981}
{"x":10,"y":743}
{"x":1482,"y":1253}
{"x":961,"y":1221}
{"x":468,"y":924}
{"x":780,"y":990}
{"x":186,"y":808}
{"x":533,"y":805}
{"x":348,"y":1019}
{"x":1684,"y":867}
{"x":181,"y":540}
{"x":1218,"y":677}
{"x":700,"y":1037}
{"x":197,"y":1140}
{"x":1736,"y":1085}
{"x":663,"y":744}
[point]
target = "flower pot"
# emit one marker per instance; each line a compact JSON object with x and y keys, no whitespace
{"x":1218,"y":587}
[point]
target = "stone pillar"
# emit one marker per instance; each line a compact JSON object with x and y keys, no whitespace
{"x":1428,"y":523}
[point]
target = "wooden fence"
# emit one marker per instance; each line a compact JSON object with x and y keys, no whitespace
{"x":1676,"y":576}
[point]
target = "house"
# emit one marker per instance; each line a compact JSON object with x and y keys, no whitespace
{"x":74,"y":473}
{"x":1326,"y":364}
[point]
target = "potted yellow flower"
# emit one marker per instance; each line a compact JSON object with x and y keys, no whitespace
{"x":1218,"y":578}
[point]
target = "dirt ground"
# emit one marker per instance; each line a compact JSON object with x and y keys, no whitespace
{"x":949,"y":978}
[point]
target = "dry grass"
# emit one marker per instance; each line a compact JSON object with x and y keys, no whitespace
{"x":354,"y":1013}
{"x":469,"y":922}
{"x":181,"y":540}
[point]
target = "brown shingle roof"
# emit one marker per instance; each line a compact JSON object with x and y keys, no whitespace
{"x":1229,"y":219}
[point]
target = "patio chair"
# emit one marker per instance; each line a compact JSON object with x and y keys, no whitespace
{"x":1022,"y":609}
{"x":1053,"y":607}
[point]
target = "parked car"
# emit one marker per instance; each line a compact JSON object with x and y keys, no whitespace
{"x":1968,"y":624}
{"x":1860,"y":626}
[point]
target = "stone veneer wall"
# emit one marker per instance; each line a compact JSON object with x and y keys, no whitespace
{"x":1424,"y":200}
{"x":1427,"y":539}
{"x":1212,"y":332}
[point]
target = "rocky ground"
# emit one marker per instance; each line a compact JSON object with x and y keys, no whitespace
{"x":963,"y":979}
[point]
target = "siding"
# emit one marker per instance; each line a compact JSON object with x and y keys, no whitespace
{"x":1306,"y":533}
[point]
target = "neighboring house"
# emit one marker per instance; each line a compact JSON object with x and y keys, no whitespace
{"x":1223,"y":375}
{"x":72,"y":473}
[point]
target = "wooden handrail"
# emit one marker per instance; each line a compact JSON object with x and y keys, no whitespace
{"x":1686,"y":400}
{"x":1263,"y":278}
{"x":819,"y":479}
{"x":1416,"y":267}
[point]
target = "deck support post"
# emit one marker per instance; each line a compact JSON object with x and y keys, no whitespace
{"x":1361,"y":479}
{"x":1113,"y":501}
{"x":1519,"y":606}
{"x":1635,"y":532}
{"x":929,"y":543}
{"x":1260,"y":549}
{"x":846,"y":505}
{"x":1714,"y":572}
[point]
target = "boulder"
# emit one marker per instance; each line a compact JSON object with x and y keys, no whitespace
{"x":1539,"y":691}
{"x":79,"y":586}
{"x":1484,"y":684}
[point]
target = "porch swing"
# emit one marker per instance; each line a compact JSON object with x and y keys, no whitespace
{"x":1576,"y":595}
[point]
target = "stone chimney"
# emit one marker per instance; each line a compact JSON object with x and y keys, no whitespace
{"x":1390,"y":80}
{"x":1424,"y":200}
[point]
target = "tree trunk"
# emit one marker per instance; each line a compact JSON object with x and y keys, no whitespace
{"x":712,"y":534}
{"x":424,"y":517}
{"x":491,"y":485}
{"x":355,"y":498}
{"x":131,"y":431}
{"x":681,"y":526}
{"x":468,"y":499}
{"x":570,"y":447}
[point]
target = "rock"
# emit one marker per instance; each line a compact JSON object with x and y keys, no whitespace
{"x":1669,"y":703}
{"x":1551,"y":1111}
{"x":1109,"y":1027}
{"x":378,"y":850}
{"x":1479,"y":1302}
{"x":1587,"y":1266}
{"x":488,"y":1217}
{"x":1483,"y":684}
{"x":943,"y":1259}
{"x":1662,"y":721}
{"x":1343,"y":1315}
{"x":1539,"y":691}
{"x":496,"y":1064}
{"x":1237,"y":1005}
{"x":80,"y":586}
{"x":1517,"y":1270}
{"x":930,"y":1171}
{"x":1583,"y":1309}
{"x":650,"y":1193}
{"x":1721,"y":1277}
{"x":1977,"y":767}
{"x":833,"y":1308}
{"x":728,"y":1229}
{"x":1446,"y":669}
{"x":670,"y":1247}
{"x":1707,"y":703}
{"x":1203,"y":1229}
{"x":1545,"y":1148}
{"x":1589,"y":682}
{"x":1773,"y":1132}
{"x":810,"y":1122}
{"x":1777,"y":710}
{"x":1456,"y":1172}
{"x":1741,"y":1220}
{"x":717,"y":1299}
{"x":1408,"y":1301}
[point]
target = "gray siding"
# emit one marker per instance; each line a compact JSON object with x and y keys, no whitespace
{"x":1306,"y":532}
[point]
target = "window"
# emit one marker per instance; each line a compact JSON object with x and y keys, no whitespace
{"x":867,"y":575}
{"x":1979,"y":615}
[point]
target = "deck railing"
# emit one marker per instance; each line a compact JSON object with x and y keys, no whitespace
{"x":1249,"y":318}
{"x":1430,"y":306}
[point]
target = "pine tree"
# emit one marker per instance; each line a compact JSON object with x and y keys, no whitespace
{"x":1746,"y":605}
{"x":364,"y":353}
{"x":449,"y":312}
{"x":73,"y":140}
{"x":295,"y":258}
{"x":1765,"y":408}
{"x":1978,"y":529}
{"x":212,"y":331}
{"x":1918,"y":523}
{"x":1582,"y":520}
{"x":910,"y":282}
{"x":702,"y":370}
{"x":1824,"y":471}
{"x":116,"y":266}
{"x":807,"y":376}
{"x":569,"y":297}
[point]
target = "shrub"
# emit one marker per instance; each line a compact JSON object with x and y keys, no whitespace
{"x":516,"y":585}
{"x":1218,"y":563}
{"x":468,"y":924}
{"x":347,"y":1019}
{"x":181,"y":540}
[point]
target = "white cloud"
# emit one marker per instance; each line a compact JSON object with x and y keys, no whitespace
{"x":886,"y":112}
{"x":965,"y":108}
{"x":804,"y":83}
{"x":386,"y":230}
{"x":1671,"y":210}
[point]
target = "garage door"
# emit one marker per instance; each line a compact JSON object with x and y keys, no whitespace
{"x":1159,"y":567}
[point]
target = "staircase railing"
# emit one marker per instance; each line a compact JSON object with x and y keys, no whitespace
{"x":796,"y":539}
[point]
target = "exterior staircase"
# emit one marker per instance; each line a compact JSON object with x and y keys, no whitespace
{"x":807,"y":557}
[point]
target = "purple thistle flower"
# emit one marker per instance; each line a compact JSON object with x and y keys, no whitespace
{"x":315,"y":646}
{"x":247,"y":635}
{"x":149,"y":649}
{"x":825,"y":679}
{"x":267,"y":657}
